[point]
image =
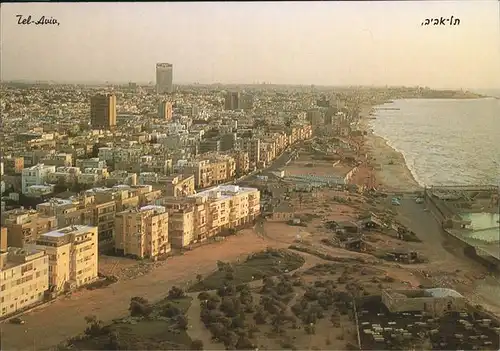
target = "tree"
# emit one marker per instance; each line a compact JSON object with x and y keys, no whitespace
{"x":199,"y":278}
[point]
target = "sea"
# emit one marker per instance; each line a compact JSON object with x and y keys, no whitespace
{"x":444,"y":141}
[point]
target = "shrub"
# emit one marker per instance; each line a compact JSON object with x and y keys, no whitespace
{"x":230,"y":306}
{"x":196,"y":345}
{"x":310,"y":329}
{"x":203,"y":296}
{"x":244,"y":343}
{"x":260,"y":317}
{"x":182,"y":322}
{"x":94,"y":326}
{"x":175,"y":293}
{"x":139,"y":307}
{"x":218,"y":330}
{"x":170,"y":311}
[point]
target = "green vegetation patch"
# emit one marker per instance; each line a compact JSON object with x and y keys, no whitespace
{"x":270,"y":262}
{"x":159,"y":326}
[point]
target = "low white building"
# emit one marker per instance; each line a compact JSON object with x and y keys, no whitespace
{"x":36,"y":175}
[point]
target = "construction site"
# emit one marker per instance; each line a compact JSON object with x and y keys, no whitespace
{"x":470,"y":216}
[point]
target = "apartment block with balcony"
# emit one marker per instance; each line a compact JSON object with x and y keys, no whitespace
{"x":242,"y":162}
{"x":32,"y":158}
{"x":121,"y":177}
{"x":267,"y":153}
{"x":13,"y":165}
{"x":143,"y":232}
{"x":91,"y":163}
{"x":227,"y":206}
{"x":58,"y":160}
{"x":104,"y":219}
{"x":208,"y":213}
{"x":25,"y":226}
{"x":24,"y":279}
{"x":66,"y":175}
{"x":66,"y":211}
{"x":202,"y":171}
{"x":211,"y":170}
{"x":181,"y":226}
{"x":252,"y":146}
{"x":179,"y":185}
{"x":73,"y":256}
{"x":3,"y":239}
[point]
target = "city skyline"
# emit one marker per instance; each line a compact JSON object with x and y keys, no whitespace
{"x":328,"y":44}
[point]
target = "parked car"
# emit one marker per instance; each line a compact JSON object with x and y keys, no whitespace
{"x":419,"y":200}
{"x":16,"y":320}
{"x":395,"y":201}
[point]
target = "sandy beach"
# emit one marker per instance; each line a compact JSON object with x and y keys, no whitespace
{"x":389,"y":166}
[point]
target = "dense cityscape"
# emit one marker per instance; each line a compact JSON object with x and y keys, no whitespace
{"x":124,"y":199}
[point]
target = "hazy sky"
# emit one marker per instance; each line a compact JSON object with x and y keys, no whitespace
{"x":325,"y":43}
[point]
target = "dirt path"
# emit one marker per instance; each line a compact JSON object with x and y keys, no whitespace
{"x":197,"y":330}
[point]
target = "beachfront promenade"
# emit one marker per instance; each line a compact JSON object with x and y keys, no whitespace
{"x":482,"y":248}
{"x":465,"y":187}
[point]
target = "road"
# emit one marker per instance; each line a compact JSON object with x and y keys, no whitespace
{"x":426,"y":227}
{"x":276,"y":165}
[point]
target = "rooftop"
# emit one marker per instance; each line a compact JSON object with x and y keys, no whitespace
{"x":152,"y":207}
{"x":74,"y":229}
{"x":225,"y":190}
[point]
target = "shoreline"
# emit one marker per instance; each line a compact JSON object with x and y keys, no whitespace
{"x":388,"y":164}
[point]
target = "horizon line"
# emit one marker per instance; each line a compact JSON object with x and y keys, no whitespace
{"x":79,"y":82}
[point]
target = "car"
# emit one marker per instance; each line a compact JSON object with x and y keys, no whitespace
{"x":395,"y":201}
{"x":16,"y":320}
{"x":419,"y":200}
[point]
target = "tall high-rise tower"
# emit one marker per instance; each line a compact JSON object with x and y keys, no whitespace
{"x":232,"y":101}
{"x":164,"y":78}
{"x":165,"y":110}
{"x":103,"y":111}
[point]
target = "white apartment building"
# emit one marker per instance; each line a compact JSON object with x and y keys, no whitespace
{"x":23,"y":279}
{"x":148,"y":178}
{"x":35,"y":175}
{"x":106,"y":154}
{"x":205,"y":214}
{"x":91,"y":163}
{"x":73,"y":256}
{"x":64,"y":174}
{"x":142,"y":232}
